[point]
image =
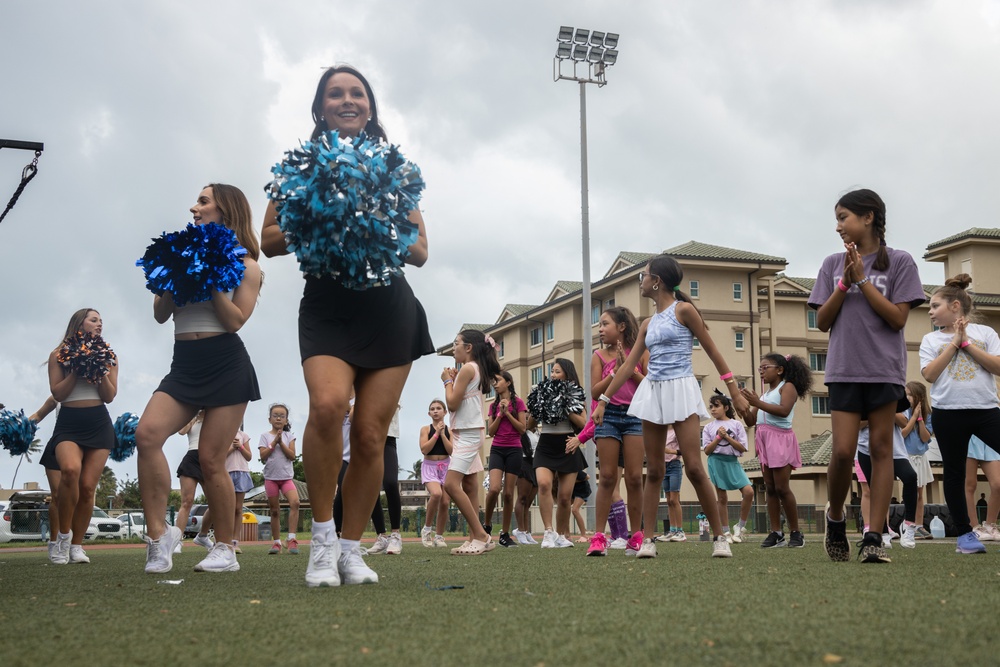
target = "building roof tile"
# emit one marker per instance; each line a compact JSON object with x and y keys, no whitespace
{"x":697,"y":250}
{"x":971,"y":233}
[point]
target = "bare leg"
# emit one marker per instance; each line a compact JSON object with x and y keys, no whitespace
{"x":238,"y":522}
{"x":880,"y":424}
{"x":453,"y":485}
{"x":55,"y":478}
{"x":442,"y":513}
{"x":971,"y":481}
{"x":564,"y":503}
{"x":496,"y":479}
{"x":845,"y":426}
{"x":433,"y":503}
{"x":689,"y":442}
{"x":633,"y":454}
{"x":581,"y":525}
{"x":992,"y":471}
{"x":723,"y":498}
{"x":90,"y":475}
{"x":607,"y":481}
{"x":544,"y":478}
{"x":773,"y":501}
{"x":509,"y":483}
{"x":293,"y":510}
{"x":783,"y":492}
{"x":747,"y":503}
{"x":188,"y":486}
{"x":70,"y":458}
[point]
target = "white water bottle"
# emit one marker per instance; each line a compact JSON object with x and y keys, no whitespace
{"x":937,"y":528}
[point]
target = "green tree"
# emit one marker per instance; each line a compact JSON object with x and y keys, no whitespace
{"x":128,"y":494}
{"x":298,"y":470}
{"x":257,"y":478}
{"x":174,"y":500}
{"x":415,"y":472}
{"x":33,"y":448}
{"x":107,"y":486}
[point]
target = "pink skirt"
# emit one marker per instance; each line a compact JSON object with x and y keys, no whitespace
{"x":434,"y":471}
{"x":777,"y":447}
{"x":859,"y":472}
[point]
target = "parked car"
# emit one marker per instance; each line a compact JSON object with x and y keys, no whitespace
{"x":25,"y":517}
{"x":197,"y":516}
{"x":103,"y":527}
{"x":134,"y":524}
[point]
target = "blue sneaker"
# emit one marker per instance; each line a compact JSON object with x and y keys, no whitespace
{"x":969,"y":544}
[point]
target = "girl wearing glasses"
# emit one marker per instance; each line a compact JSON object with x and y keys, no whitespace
{"x":788,"y":378}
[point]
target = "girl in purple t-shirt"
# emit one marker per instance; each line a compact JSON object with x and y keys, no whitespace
{"x":863,"y":297}
{"x":508,"y":420}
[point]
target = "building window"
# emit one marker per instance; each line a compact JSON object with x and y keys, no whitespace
{"x":609,"y":304}
{"x":548,"y":369}
{"x":737,"y":291}
{"x":742,"y":384}
{"x":811,"y":319}
{"x":821,"y":405}
{"x":693,"y":289}
{"x":739,"y":340}
{"x":536,"y":375}
{"x":492,"y":394}
{"x":550,"y":330}
{"x":695,"y":343}
{"x":700,"y":386}
{"x":595,"y":313}
{"x":500,"y":343}
{"x":817,"y":361}
{"x":536,"y":336}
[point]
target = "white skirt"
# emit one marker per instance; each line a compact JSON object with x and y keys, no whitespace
{"x":922,"y":465}
{"x":467,"y":443}
{"x":668,"y":401}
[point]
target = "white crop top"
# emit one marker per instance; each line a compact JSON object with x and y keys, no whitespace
{"x":83,"y":391}
{"x":198,"y":318}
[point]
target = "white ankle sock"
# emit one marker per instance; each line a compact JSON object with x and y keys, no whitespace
{"x":346,"y":545}
{"x":291,"y":536}
{"x":324,"y":528}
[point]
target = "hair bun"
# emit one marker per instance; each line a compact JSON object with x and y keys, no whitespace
{"x":961,"y":281}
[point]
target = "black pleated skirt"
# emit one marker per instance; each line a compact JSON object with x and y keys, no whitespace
{"x":379,"y":327}
{"x":88,"y":428}
{"x":550,"y":452}
{"x":211,"y":372}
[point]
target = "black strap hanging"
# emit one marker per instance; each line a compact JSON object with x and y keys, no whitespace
{"x":27,"y":174}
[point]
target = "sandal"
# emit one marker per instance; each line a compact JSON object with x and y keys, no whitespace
{"x":473,"y":548}
{"x":490,"y":545}
{"x":465,"y":545}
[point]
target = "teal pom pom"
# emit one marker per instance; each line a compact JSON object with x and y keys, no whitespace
{"x":343,"y":204}
{"x":124,"y":437}
{"x":17,"y":432}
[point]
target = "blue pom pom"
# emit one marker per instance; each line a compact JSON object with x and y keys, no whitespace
{"x":343,"y":204}
{"x":124,"y":437}
{"x":193,"y":263}
{"x":17,"y":432}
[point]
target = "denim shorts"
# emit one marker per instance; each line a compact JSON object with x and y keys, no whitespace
{"x":673,"y":476}
{"x":618,"y":423}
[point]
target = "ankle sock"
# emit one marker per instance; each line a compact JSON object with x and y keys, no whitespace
{"x":291,"y":536}
{"x":346,"y":545}
{"x":743,"y":523}
{"x":324,"y":528}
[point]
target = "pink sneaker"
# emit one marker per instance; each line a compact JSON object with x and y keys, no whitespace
{"x":634,"y":543}
{"x":598,"y":545}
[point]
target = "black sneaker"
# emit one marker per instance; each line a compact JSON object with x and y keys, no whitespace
{"x":773,"y":539}
{"x":871,"y":549}
{"x":835,"y":541}
{"x":488,"y":527}
{"x":507,"y":541}
{"x":795,"y":540}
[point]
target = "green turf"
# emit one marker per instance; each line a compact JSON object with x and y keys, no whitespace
{"x":518,"y":606}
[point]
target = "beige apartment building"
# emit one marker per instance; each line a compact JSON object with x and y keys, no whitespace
{"x":751,"y":307}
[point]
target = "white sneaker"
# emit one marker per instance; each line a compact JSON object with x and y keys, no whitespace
{"x":324,"y":551}
{"x":77,"y":554}
{"x":516,"y":534}
{"x":204,"y":541}
{"x":893,"y":535}
{"x":395,"y":545}
{"x":678,"y":536}
{"x":381,"y":544}
{"x":427,"y":536}
{"x":647,"y":550}
{"x":160,"y":552}
{"x":621,"y":543}
{"x":729,"y":537}
{"x":53,"y":551}
{"x":992,"y":527}
{"x":720,"y":548}
{"x":528,"y":538}
{"x":983,"y":533}
{"x":439,"y":541}
{"x":353,"y":569}
{"x":908,"y":535}
{"x":177,"y":549}
{"x":738,"y":533}
{"x":562,"y":543}
{"x":61,"y":550}
{"x":549,"y":539}
{"x":887,"y":540}
{"x":221,"y":558}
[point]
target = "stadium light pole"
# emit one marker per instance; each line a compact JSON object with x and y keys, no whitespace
{"x":584,"y":56}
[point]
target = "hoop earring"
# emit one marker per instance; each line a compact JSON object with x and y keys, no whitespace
{"x":656,"y":287}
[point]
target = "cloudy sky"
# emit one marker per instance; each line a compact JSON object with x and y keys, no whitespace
{"x":737,"y":123}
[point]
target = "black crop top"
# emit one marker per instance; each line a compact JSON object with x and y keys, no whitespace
{"x":438,"y":449}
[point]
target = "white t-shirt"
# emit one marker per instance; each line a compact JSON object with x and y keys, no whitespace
{"x":394,"y":425}
{"x":277,"y":466}
{"x":194,"y":435}
{"x":898,"y":444}
{"x":347,"y":435}
{"x":963,"y":384}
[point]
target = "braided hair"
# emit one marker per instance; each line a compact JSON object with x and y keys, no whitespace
{"x":861,"y":203}
{"x":509,"y":379}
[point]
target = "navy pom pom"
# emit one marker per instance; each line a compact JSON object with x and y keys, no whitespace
{"x":17,"y":432}
{"x":87,"y":355}
{"x":124,"y":437}
{"x":343,"y":204}
{"x":552,"y":400}
{"x":193,"y":263}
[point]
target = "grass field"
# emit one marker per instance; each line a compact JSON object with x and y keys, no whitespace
{"x":520,"y":606}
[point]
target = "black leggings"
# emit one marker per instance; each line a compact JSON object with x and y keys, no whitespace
{"x":390,"y":484}
{"x":338,"y":503}
{"x":904,"y":472}
{"x":953,"y":428}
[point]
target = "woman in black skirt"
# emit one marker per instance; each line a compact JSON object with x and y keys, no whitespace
{"x":80,"y":444}
{"x":211,"y":370}
{"x":365,"y":339}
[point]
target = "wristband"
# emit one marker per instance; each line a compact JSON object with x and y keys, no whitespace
{"x":727,"y":376}
{"x":448,"y":382}
{"x":861,"y":283}
{"x":920,"y":419}
{"x":964,"y":344}
{"x":604,"y":399}
{"x":841,"y":286}
{"x":952,"y":343}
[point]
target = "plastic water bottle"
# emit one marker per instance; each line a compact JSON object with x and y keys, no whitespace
{"x":937,"y":528}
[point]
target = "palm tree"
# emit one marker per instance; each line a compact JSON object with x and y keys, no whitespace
{"x":33,"y":448}
{"x":415,"y":472}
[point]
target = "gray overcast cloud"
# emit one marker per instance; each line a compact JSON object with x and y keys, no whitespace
{"x":737,"y":123}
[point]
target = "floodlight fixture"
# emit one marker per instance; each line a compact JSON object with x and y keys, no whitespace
{"x":610,"y":56}
{"x":596,"y":54}
{"x":581,"y":36}
{"x":597,"y":38}
{"x":611,"y":40}
{"x":579,"y":52}
{"x":564,"y":50}
{"x":565,"y":34}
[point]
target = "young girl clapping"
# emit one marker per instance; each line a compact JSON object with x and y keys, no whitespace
{"x":724,"y":441}
{"x":436,"y":446}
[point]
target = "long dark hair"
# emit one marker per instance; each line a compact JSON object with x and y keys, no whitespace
{"x":484,"y":355}
{"x":721,"y":399}
{"x":509,"y":379}
{"x":919,"y":393}
{"x":861,"y":203}
{"x":568,"y":369}
{"x":373,"y":127}
{"x":794,"y":370}
{"x":622,"y":315}
{"x":670,"y":273}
